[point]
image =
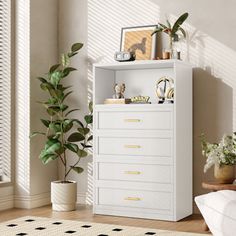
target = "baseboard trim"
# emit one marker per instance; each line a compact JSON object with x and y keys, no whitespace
{"x":33,"y":201}
{"x":6,"y":202}
{"x":6,"y":198}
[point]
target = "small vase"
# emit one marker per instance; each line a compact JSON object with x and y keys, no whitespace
{"x":224,"y":174}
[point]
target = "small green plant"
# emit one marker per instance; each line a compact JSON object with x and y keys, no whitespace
{"x":172,"y":30}
{"x":222,"y":153}
{"x":61,"y":136}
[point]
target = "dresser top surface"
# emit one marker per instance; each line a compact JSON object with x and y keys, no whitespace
{"x":142,"y":64}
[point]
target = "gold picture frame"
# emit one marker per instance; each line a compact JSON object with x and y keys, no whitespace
{"x":139,"y":40}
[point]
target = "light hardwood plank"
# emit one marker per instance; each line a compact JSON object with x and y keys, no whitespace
{"x":193,"y":223}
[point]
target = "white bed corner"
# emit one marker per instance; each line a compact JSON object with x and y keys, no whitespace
{"x":219,"y":211}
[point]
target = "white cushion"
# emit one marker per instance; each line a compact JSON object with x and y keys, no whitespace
{"x":219,"y":211}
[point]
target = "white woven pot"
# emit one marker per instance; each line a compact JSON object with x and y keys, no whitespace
{"x":63,"y":195}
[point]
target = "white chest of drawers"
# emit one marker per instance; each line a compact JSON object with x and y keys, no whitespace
{"x":143,"y":153}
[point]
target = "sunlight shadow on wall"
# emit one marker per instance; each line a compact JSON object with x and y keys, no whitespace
{"x":214,"y":93}
{"x":23,"y":97}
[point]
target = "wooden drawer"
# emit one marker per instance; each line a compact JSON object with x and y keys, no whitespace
{"x":134,"y":146}
{"x":135,"y":198}
{"x":135,"y":172}
{"x":160,"y":120}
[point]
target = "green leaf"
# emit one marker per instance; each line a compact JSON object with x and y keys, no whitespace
{"x":78,"y":122}
{"x":50,"y":142}
{"x":53,"y":93}
{"x":86,"y":146}
{"x":183,"y":32}
{"x":55,"y":136}
{"x":66,"y":95}
{"x":88,"y":119}
{"x":76,"y":137}
{"x":45,"y":122}
{"x":56,"y":77}
{"x":55,"y":127}
{"x":36,"y":133}
{"x":163,"y":26}
{"x":64,"y":88}
{"x":47,"y":158}
{"x":168,"y":23}
{"x":72,"y":147}
{"x":71,"y":111}
{"x":59,"y":93}
{"x":65,"y":60}
{"x":179,"y":22}
{"x":53,"y":148}
{"x":42,"y":79}
{"x":82,"y":153}
{"x":84,"y":131}
{"x":46,"y":86}
{"x":71,"y":54}
{"x":52,"y":101}
{"x":67,"y":71}
{"x":76,"y":47}
{"x":53,"y":68}
{"x":91,"y":107}
{"x":90,"y":138}
{"x":53,"y":110}
{"x":67,"y":125}
{"x":60,"y":150}
{"x":63,"y":107}
{"x":77,"y":169}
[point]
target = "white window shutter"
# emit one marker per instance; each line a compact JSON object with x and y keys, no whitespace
{"x":5,"y":89}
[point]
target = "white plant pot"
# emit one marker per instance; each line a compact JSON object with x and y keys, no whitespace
{"x":63,"y":195}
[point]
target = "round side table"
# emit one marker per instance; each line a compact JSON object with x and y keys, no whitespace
{"x":214,"y":186}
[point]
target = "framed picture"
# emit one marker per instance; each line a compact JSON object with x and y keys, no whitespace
{"x":139,"y":40}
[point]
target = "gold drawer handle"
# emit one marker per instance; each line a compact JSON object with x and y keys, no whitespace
{"x":133,"y":199}
{"x":132,"y":172}
{"x":132,"y":120}
{"x":132,"y":146}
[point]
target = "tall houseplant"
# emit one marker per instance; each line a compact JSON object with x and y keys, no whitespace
{"x":222,"y":156}
{"x":172,"y":30}
{"x":63,"y":134}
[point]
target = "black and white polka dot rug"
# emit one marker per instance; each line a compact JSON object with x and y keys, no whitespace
{"x":38,"y":226}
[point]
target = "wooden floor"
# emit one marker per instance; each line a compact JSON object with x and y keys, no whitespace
{"x":84,"y":213}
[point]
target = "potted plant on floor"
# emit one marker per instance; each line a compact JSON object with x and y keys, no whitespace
{"x":61,"y":136}
{"x":222,"y":156}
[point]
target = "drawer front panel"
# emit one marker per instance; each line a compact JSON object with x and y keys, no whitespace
{"x":135,"y":198}
{"x":161,"y":120}
{"x":135,"y":172}
{"x":134,"y":146}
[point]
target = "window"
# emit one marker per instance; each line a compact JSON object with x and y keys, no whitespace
{"x":5,"y":90}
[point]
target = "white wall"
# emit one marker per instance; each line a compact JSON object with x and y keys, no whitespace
{"x":36,"y":47}
{"x":210,"y":48}
{"x":43,"y":54}
{"x":72,"y":29}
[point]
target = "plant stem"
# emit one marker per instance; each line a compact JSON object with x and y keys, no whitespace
{"x":80,"y":157}
{"x":171,"y":46}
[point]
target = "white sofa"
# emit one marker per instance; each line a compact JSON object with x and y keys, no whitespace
{"x":219,"y":211}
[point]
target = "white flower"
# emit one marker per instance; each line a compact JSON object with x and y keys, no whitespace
{"x":222,"y":153}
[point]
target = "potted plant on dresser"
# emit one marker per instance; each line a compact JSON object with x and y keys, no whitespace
{"x":63,"y":135}
{"x":222,"y":156}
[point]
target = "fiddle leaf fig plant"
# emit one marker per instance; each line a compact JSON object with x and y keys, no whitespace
{"x":172,"y":30}
{"x":63,"y":134}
